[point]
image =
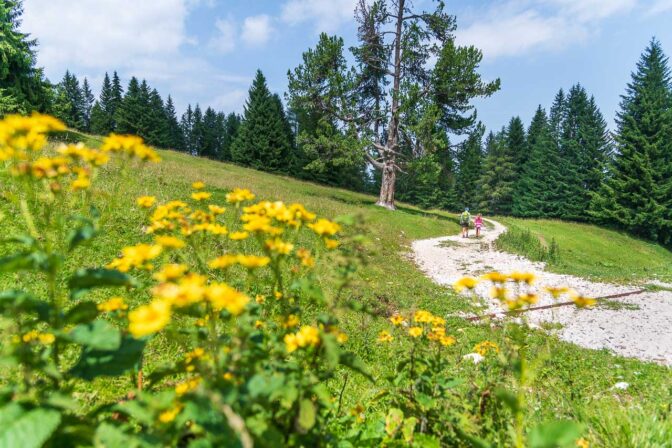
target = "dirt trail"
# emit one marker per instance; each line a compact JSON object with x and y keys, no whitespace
{"x":638,"y":326}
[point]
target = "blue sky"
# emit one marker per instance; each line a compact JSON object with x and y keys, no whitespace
{"x":207,"y":51}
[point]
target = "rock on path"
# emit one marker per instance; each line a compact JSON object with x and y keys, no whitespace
{"x":641,"y":327}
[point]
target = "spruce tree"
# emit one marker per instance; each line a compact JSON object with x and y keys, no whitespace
{"x":104,"y":117}
{"x":186,"y":128}
{"x":157,"y":122}
{"x":231,"y":126}
{"x":87,"y":101}
{"x":470,"y":166}
{"x":196,"y":135}
{"x":517,"y":143}
{"x":264,"y":139}
{"x":175,"y":138}
{"x":210,"y":144}
{"x":637,"y":193}
{"x":127,"y":115}
{"x":116,"y":97}
{"x":69,"y":102}
{"x":497,"y":181}
{"x":99,"y":120}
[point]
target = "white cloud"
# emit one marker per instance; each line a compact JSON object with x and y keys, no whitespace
{"x":660,"y":6}
{"x":514,"y":27}
{"x":225,"y":41}
{"x":327,"y":15}
{"x":257,"y":30}
{"x":233,"y":100}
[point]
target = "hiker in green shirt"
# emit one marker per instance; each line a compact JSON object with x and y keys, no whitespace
{"x":465,"y":219}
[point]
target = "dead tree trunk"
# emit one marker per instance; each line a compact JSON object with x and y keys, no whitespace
{"x":387,"y":185}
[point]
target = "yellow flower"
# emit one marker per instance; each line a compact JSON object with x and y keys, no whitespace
{"x":582,"y":443}
{"x":279,"y":246}
{"x":582,"y":301}
{"x":260,"y":299}
{"x":198,"y":185}
{"x":223,"y":262}
{"x":46,"y":338}
{"x":187,"y":386}
{"x":81,"y":183}
{"x":170,"y":272}
{"x":522,"y":277}
{"x":307,"y":336}
{"x":324,"y":227}
{"x":43,"y":338}
{"x":252,"y":261}
{"x":259,"y":324}
{"x":422,"y":316}
{"x":385,"y":336}
{"x":495,"y":277}
{"x":136,"y":257}
{"x":169,"y":415}
{"x":237,"y":236}
{"x":341,"y":337}
{"x":557,"y":291}
{"x":239,"y":195}
{"x":447,"y":341}
{"x":216,"y":209}
{"x":397,"y":319}
{"x":200,"y":195}
{"x":528,"y":298}
{"x":277,"y":295}
{"x":291,"y":321}
{"x":331,"y":244}
{"x":129,"y":145}
{"x":146,"y":201}
{"x":113,"y":304}
{"x":306,"y":259}
{"x":170,"y":242}
{"x":415,"y":332}
{"x":484,"y":347}
{"x":500,"y":293}
{"x":196,"y":353}
{"x":222,"y":296}
{"x":465,"y":283}
{"x":149,"y":319}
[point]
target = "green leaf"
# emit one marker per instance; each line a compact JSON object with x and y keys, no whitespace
{"x":508,"y":398}
{"x":393,"y":421}
{"x":98,"y":335}
{"x":29,"y":429}
{"x":29,"y":261}
{"x":85,"y":279}
{"x":109,"y":436}
{"x":86,"y":230}
{"x":15,"y":301}
{"x":307,"y":415}
{"x":408,"y":428}
{"x":94,"y":363}
{"x":82,"y":313}
{"x":350,"y":360}
{"x":555,"y":434}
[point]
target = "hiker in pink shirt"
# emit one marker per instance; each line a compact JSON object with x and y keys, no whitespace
{"x":478,"y":223}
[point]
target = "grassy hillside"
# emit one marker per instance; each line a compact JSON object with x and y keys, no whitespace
{"x":590,"y":251}
{"x":573,"y":384}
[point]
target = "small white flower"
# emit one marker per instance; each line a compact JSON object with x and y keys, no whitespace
{"x":475,"y":357}
{"x":621,"y":385}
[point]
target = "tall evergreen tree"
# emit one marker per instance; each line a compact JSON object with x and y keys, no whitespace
{"x":175,"y":137}
{"x":22,"y":85}
{"x":263,"y":141}
{"x":102,"y":121}
{"x":87,"y":101}
{"x":196,"y":135}
{"x":539,"y":189}
{"x":116,"y":97}
{"x":186,"y":128}
{"x":231,"y":126}
{"x":637,"y":194}
{"x":157,"y":122}
{"x":211,"y":135}
{"x":499,"y":174}
{"x":516,"y":141}
{"x":99,"y":120}
{"x":470,"y":167}
{"x":128,"y":114}
{"x":69,"y":102}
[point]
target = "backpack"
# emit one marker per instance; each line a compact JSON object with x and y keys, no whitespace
{"x":464,"y":218}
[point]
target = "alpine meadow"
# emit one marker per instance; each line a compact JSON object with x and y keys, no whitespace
{"x":417,"y":223}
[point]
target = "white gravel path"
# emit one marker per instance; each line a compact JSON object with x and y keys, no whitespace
{"x":641,"y":329}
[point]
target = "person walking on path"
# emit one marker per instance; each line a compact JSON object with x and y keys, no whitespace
{"x":478,"y":223}
{"x":465,"y":219}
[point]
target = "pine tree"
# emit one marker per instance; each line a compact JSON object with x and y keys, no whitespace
{"x":186,"y":128}
{"x":128,"y":114}
{"x":69,"y":102}
{"x":175,"y":138}
{"x":470,"y":161}
{"x":102,"y":122}
{"x":538,"y":191}
{"x":157,"y":122}
{"x":116,"y":97}
{"x":517,"y":144}
{"x":87,"y":101}
{"x":99,"y":120}
{"x":637,"y":194}
{"x":210,"y":143}
{"x":264,"y":139}
{"x":196,"y":136}
{"x":231,"y":126}
{"x":497,"y":180}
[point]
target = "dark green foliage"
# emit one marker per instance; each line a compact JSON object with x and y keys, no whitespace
{"x":231,"y":126}
{"x":538,"y":191}
{"x":186,"y":126}
{"x":196,"y":135}
{"x":87,"y":102}
{"x":516,"y":142}
{"x":128,"y":113}
{"x":470,"y":168}
{"x":498,"y":177}
{"x":212,"y":129}
{"x":102,"y":114}
{"x":637,"y":193}
{"x":22,"y":85}
{"x":70,"y":103}
{"x":174,"y":137}
{"x":264,"y":139}
{"x":523,"y":241}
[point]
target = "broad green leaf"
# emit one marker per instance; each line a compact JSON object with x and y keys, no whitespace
{"x":307,"y":415}
{"x":109,"y":436}
{"x":94,"y":363}
{"x":30,"y":429}
{"x":508,"y":398}
{"x":98,"y":335}
{"x":16,"y":301}
{"x":86,"y":230}
{"x":29,"y":261}
{"x":82,"y":313}
{"x":408,"y":428}
{"x":555,"y":434}
{"x":426,"y":441}
{"x":85,"y":279}
{"x":351,"y":361}
{"x":393,"y":421}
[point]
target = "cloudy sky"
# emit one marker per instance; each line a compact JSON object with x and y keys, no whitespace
{"x":207,"y":51}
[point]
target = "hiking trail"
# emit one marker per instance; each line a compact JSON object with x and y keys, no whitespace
{"x":637,"y":326}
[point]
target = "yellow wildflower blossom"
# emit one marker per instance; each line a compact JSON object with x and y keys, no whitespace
{"x":422,"y":316}
{"x":278,"y":246}
{"x":397,"y":319}
{"x":146,"y":201}
{"x":187,"y":386}
{"x":495,"y":277}
{"x":291,"y":321}
{"x":331,"y":243}
{"x":385,"y":336}
{"x":465,"y":283}
{"x":198,"y":185}
{"x":113,"y":304}
{"x":170,"y":242}
{"x":170,"y":272}
{"x":582,"y":301}
{"x":239,"y":195}
{"x":557,"y":291}
{"x":149,"y":319}
{"x":222,"y":296}
{"x":136,"y":257}
{"x":484,"y":347}
{"x":216,"y":209}
{"x":447,"y":341}
{"x":200,"y":195}
{"x":170,"y":415}
{"x":237,"y":236}
{"x":415,"y":332}
{"x":522,"y":277}
{"x":324,"y":227}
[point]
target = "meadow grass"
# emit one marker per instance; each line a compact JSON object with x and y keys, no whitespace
{"x":573,"y":383}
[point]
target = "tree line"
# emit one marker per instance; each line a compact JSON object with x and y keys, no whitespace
{"x":386,"y":124}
